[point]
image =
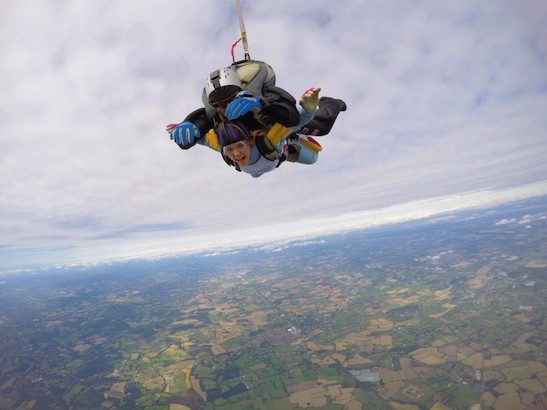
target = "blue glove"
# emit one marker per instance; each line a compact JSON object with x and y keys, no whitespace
{"x":242,"y":104}
{"x":185,"y":134}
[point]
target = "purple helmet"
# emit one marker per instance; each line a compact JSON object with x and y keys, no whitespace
{"x":229,"y":132}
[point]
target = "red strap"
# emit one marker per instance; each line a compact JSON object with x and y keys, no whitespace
{"x":233,"y":48}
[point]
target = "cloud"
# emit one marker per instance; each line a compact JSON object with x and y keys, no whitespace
{"x":442,"y":99}
{"x":506,"y":221}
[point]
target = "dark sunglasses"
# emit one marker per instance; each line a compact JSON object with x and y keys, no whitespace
{"x":220,"y":104}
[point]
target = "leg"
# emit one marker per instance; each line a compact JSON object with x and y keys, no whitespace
{"x":324,"y":119}
{"x":303,"y":149}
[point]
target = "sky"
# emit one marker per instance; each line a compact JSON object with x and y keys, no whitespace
{"x":447,"y":106}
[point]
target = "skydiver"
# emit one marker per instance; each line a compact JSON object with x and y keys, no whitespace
{"x":246,"y":91}
{"x":262,"y":150}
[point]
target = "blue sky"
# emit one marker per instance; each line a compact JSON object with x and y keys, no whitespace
{"x":445,"y":100}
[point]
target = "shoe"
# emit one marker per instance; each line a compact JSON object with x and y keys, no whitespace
{"x":339,"y":103}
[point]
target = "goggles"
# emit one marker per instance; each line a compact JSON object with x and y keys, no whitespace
{"x":236,"y":146}
{"x":223,"y":103}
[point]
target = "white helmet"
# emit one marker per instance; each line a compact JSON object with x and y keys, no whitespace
{"x":222,"y":85}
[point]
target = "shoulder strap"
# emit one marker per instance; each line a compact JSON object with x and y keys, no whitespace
{"x":267,"y":149}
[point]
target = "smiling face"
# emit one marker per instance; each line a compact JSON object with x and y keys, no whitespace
{"x":239,"y":152}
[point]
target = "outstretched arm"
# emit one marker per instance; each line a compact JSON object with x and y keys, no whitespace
{"x":189,"y":132}
{"x":308,"y":105}
{"x":199,"y":119}
{"x":185,"y":134}
{"x":310,"y":99}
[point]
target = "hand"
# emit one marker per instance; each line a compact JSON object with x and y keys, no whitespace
{"x":242,"y":104}
{"x":184,"y":134}
{"x":310,"y":99}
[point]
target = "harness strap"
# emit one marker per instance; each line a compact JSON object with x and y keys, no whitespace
{"x":266,"y":148}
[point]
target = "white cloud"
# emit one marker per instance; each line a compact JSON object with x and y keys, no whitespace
{"x":443,"y":99}
{"x":506,"y":221}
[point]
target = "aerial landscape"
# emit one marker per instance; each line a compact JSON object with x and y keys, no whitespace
{"x":441,"y":313}
{"x":273,"y":205}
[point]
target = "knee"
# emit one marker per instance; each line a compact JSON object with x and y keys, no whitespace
{"x":307,"y":156}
